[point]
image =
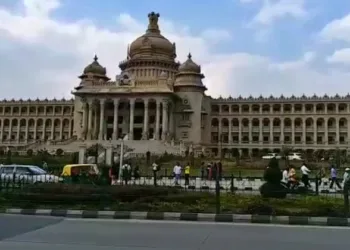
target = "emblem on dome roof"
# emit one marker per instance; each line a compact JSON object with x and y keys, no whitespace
{"x":146,"y":41}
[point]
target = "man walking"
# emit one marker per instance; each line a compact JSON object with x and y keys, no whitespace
{"x":305,"y":175}
{"x":334,"y":178}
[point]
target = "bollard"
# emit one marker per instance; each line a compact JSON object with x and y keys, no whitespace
{"x":155,"y":178}
{"x":217,"y":193}
{"x":346,"y":198}
{"x":232,"y":187}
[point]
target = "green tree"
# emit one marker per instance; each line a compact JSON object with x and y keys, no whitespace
{"x":30,"y":152}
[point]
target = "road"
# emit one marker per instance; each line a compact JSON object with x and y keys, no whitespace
{"x":42,"y":233}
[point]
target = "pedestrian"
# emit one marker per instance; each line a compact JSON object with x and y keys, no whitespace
{"x":321,"y":175}
{"x":305,"y":175}
{"x":214,"y":170}
{"x":136,"y":172}
{"x":203,"y":170}
{"x":346,"y":176}
{"x":177,"y":173}
{"x":334,"y":178}
{"x":285,"y":176}
{"x":187,"y":174}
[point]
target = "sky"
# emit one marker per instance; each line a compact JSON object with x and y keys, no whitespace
{"x":245,"y":47}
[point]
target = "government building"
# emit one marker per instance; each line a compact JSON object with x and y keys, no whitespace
{"x":159,"y":104}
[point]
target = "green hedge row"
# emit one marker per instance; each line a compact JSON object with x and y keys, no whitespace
{"x":164,"y":199}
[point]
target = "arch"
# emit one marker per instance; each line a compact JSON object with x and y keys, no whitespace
{"x":31,"y":122}
{"x":309,"y":122}
{"x":40,"y":122}
{"x":215,"y":122}
{"x":24,"y":110}
{"x":255,"y":122}
{"x":41,"y":110}
{"x":49,"y":109}
{"x":32,"y":109}
{"x":245,"y":108}
{"x":298,"y":107}
{"x":287,"y":122}
{"x":256,"y":108}
{"x":342,"y":107}
{"x":309,"y":107}
{"x":331,"y":107}
{"x":58,"y":109}
{"x":287,"y":108}
{"x":66,"y":110}
{"x":343,"y":122}
{"x":48,"y":123}
{"x":276,"y":122}
{"x":15,"y":110}
{"x":224,"y":122}
{"x":331,"y":123}
{"x":320,"y":107}
{"x":266,"y":122}
{"x":320,"y":122}
{"x":7,"y":109}
{"x":225,"y":108}
{"x":245,"y":122}
{"x":65,"y":123}
{"x":276,"y":108}
{"x":235,"y":108}
{"x":235,"y":122}
{"x":298,"y":122}
{"x":57,"y":122}
{"x":215,"y":108}
{"x":23,"y":123}
{"x":14,"y":122}
{"x":265,"y":108}
{"x":6,"y":122}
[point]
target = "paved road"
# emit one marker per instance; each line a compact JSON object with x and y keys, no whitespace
{"x":40,"y":233}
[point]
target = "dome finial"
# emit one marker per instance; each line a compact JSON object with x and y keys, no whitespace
{"x":189,"y":55}
{"x":153,"y":22}
{"x":95,"y":58}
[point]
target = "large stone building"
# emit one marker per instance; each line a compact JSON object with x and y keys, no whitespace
{"x":156,"y":100}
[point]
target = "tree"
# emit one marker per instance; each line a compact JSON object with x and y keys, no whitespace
{"x":30,"y":152}
{"x":59,"y":152}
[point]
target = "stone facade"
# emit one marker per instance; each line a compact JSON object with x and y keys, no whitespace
{"x":157,"y":98}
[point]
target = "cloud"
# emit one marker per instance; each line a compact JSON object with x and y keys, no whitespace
{"x":341,"y":56}
{"x":42,"y":57}
{"x":337,"y":30}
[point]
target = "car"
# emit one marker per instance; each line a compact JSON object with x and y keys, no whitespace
{"x":269,"y":156}
{"x":295,"y":157}
{"x":27,"y":174}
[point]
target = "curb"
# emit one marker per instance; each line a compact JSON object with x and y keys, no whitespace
{"x":201,"y":217}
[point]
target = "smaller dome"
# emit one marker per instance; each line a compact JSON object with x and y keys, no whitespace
{"x":190,"y":66}
{"x":95,"y":68}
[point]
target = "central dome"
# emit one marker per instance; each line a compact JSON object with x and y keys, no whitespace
{"x":152,"y":44}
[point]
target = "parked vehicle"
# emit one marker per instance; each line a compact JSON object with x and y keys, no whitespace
{"x":269,"y":156}
{"x":27,"y":174}
{"x":295,"y":157}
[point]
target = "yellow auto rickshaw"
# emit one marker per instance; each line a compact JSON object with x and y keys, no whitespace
{"x":73,"y":170}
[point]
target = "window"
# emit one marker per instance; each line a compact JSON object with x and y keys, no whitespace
{"x":22,"y":171}
{"x":7,"y":170}
{"x":185,"y":117}
{"x":184,"y":135}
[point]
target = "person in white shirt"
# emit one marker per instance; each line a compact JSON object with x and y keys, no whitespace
{"x":177,"y":173}
{"x":305,"y":175}
{"x":285,"y":176}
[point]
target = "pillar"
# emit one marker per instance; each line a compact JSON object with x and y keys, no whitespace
{"x":171,"y":121}
{"x":82,"y":151}
{"x":52,"y":130}
{"x":61,"y":130}
{"x":337,"y":132}
{"x":282,"y":131}
{"x":145,"y":121}
{"x":156,"y":134}
{"x":115,"y":120}
{"x":102,"y":116}
{"x":84,"y":120}
{"x":89,"y":126}
{"x":165,"y":120}
{"x":293,"y":130}
{"x":131,"y":124}
{"x":261,"y":123}
{"x":44,"y":130}
{"x":304,"y":131}
{"x":18,"y":130}
{"x":315,"y":131}
{"x":230,"y":131}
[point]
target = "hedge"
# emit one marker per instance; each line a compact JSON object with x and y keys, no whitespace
{"x":164,"y":199}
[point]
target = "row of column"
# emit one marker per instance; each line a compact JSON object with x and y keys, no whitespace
{"x":282,"y":132}
{"x":89,"y":130}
